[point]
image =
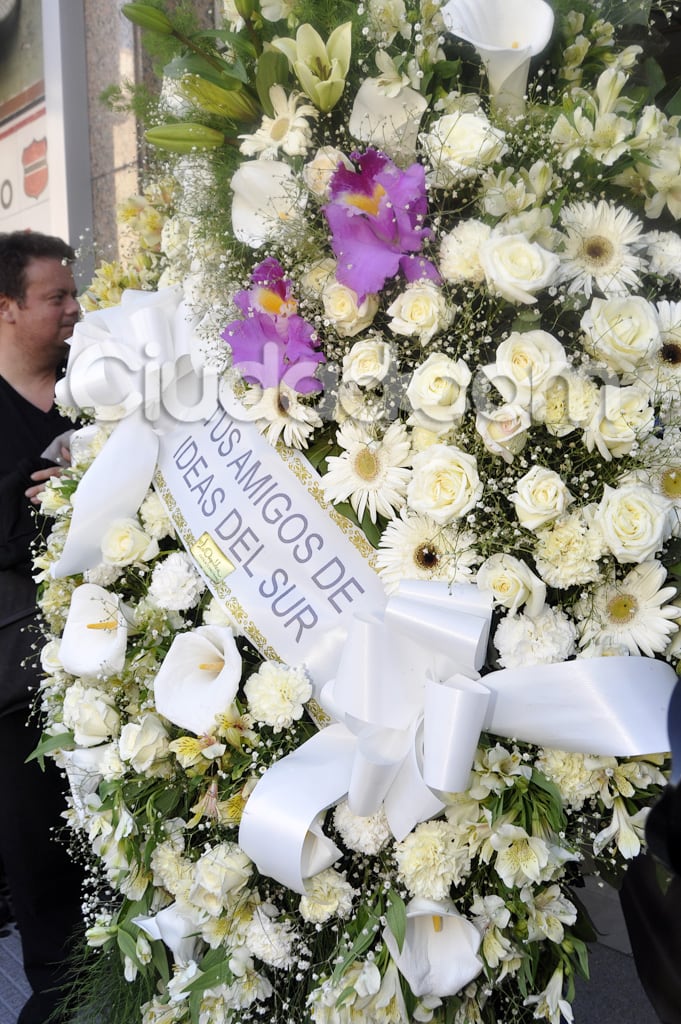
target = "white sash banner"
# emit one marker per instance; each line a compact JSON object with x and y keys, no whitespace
{"x":290,"y":569}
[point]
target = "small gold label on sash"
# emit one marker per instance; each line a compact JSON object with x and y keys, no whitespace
{"x":210,"y":559}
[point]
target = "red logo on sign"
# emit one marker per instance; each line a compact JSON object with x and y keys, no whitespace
{"x":34,"y":159}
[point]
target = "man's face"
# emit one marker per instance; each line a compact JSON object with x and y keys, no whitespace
{"x":45,"y":319}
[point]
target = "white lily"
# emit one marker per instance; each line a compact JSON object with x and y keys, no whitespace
{"x":199,"y":678}
{"x":439,"y":953}
{"x":319,"y":67}
{"x":266,"y":196}
{"x":95,"y":634}
{"x":506,"y":35}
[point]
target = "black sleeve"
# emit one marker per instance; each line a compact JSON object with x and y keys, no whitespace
{"x":18,"y":524}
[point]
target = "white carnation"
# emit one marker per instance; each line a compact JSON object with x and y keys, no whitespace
{"x":327,"y":894}
{"x":270,"y":940}
{"x":276,"y":694}
{"x":175,"y":584}
{"x":362,"y":834}
{"x":544,"y":639}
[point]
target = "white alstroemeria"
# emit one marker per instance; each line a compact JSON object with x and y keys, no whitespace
{"x":179,"y":932}
{"x":266,"y":196}
{"x":199,"y":678}
{"x":95,"y":634}
{"x":439,"y":953}
{"x":506,"y":35}
{"x":520,"y":857}
{"x":387,"y":111}
{"x":625,"y":830}
{"x":549,"y":1005}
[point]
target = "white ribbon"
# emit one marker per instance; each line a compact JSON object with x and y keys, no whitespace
{"x":132,"y":364}
{"x":409,"y":708}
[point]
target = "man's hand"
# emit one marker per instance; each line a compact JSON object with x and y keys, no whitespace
{"x":41,"y":476}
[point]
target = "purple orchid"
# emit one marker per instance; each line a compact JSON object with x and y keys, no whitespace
{"x":271,"y":291}
{"x":377,"y":216}
{"x":273,"y":344}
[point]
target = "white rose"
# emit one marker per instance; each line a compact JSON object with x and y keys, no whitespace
{"x":511,"y":583}
{"x":143,"y":743}
{"x":420,"y":311}
{"x":526,"y":363}
{"x":347,"y":315}
{"x":125,"y":542}
{"x":516,"y":268}
{"x":445,"y":484}
{"x":634,"y":522}
{"x":504,"y":430}
{"x":318,"y":172}
{"x":540,"y":497}
{"x":461,"y":145}
{"x":622,"y":332}
{"x":223,"y":870}
{"x":90,"y":714}
{"x":622,"y":418}
{"x":367,"y":363}
{"x":385,"y":120}
{"x":437,"y":392}
{"x":318,"y":275}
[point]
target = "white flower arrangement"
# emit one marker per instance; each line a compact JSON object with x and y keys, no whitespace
{"x":452,"y":284}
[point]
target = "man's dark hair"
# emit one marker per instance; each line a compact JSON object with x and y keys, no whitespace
{"x":17,"y":249}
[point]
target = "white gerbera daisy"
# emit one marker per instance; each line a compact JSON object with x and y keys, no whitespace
{"x":601,"y":243}
{"x":630,"y":613}
{"x":662,"y":372}
{"x":288,"y":130}
{"x":371,"y":473}
{"x":279,"y":413}
{"x":415,"y":547}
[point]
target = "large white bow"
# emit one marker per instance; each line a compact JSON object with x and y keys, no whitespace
{"x":409,"y":707}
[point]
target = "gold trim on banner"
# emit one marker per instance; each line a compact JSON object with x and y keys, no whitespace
{"x":313,"y":486}
{"x":216,"y":579}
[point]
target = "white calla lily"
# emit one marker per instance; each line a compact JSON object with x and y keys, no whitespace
{"x":506,"y":35}
{"x":439,"y":953}
{"x":95,"y":634}
{"x":199,"y":678}
{"x":179,"y":933}
{"x":266,"y":196}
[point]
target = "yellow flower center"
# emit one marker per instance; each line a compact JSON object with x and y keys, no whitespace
{"x":212,"y":666}
{"x":623,"y":608}
{"x":437,"y":922}
{"x":367,"y":204}
{"x":366,"y":464}
{"x":671,"y":483}
{"x":108,"y":624}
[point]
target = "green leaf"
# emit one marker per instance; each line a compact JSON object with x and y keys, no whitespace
{"x":366,"y":936}
{"x":673,"y":106}
{"x":215,"y":976}
{"x":127,"y":944}
{"x":272,"y":70}
{"x":194,"y":64}
{"x":62,"y":741}
{"x":396,"y":916}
